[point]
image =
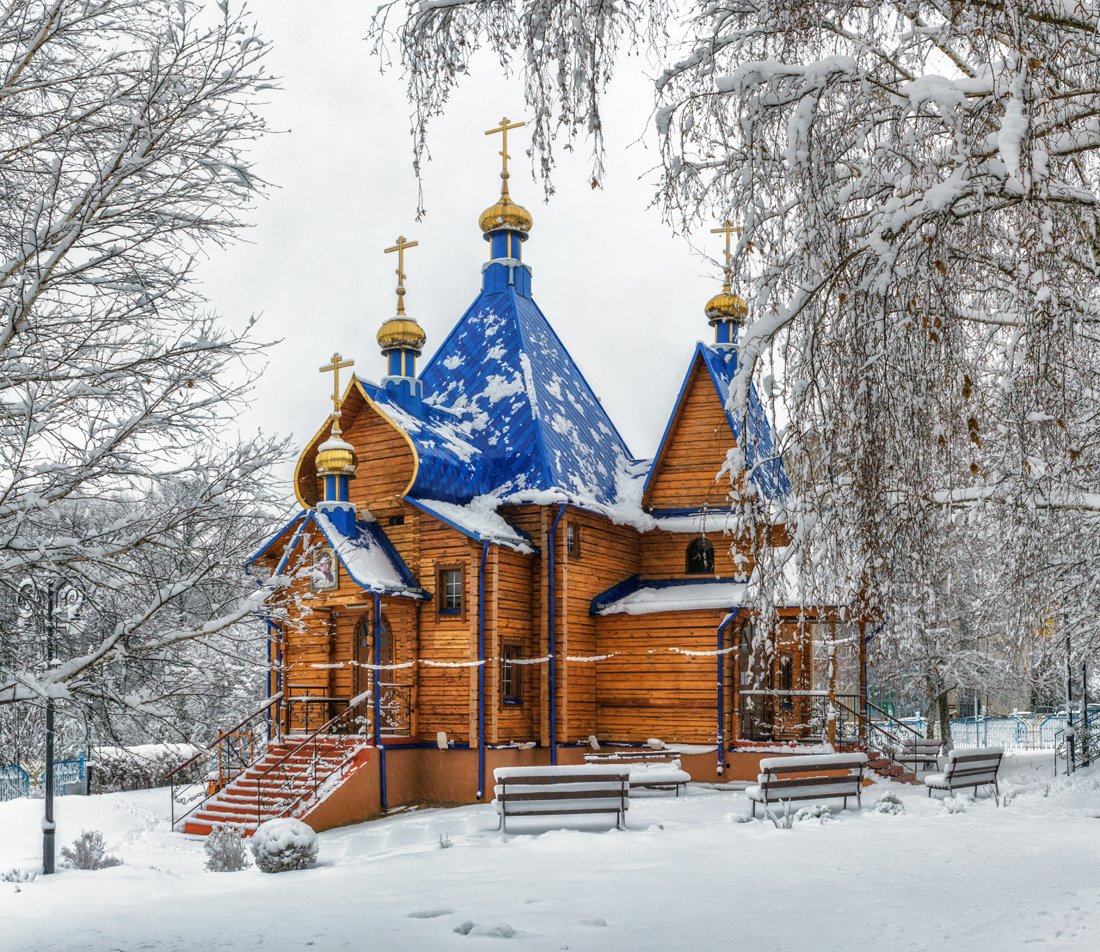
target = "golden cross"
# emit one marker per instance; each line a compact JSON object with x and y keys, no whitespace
{"x":337,"y":363}
{"x":402,"y":244}
{"x":503,"y":128}
{"x":728,"y":229}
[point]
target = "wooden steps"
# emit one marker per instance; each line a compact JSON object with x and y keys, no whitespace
{"x":885,"y":767}
{"x":274,"y":785}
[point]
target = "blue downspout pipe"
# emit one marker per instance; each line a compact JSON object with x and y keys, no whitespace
{"x":553,"y":657}
{"x":481,"y":671}
{"x":377,"y":701}
{"x":721,"y":693}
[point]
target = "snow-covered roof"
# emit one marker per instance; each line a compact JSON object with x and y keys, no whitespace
{"x":478,"y":519}
{"x":507,"y":413}
{"x":644,"y":597}
{"x":368,"y":557}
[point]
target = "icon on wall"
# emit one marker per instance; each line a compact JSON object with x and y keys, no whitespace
{"x":325,"y":578}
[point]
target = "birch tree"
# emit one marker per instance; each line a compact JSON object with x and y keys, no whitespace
{"x":124,"y":126}
{"x":917,"y":181}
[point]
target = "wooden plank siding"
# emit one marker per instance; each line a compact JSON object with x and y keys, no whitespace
{"x":646,"y":690}
{"x":685,"y":474}
{"x":386,"y":459}
{"x":664,"y":555}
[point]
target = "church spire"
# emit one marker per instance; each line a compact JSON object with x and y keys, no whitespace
{"x":401,"y":338}
{"x":726,"y":311}
{"x":505,"y":226}
{"x":336,"y":461}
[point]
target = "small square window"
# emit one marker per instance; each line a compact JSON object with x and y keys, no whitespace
{"x":397,"y":520}
{"x":450,"y":591}
{"x":511,"y":691}
{"x":573,"y":539}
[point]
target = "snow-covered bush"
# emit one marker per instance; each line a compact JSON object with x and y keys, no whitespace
{"x":818,"y":813}
{"x":225,"y":852}
{"x":89,"y":851}
{"x":141,"y":768}
{"x":285,"y":844}
{"x":958,"y":804}
{"x":17,"y":876}
{"x":889,"y":803}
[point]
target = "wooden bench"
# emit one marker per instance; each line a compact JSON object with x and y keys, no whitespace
{"x":561,"y":791}
{"x":819,"y":777}
{"x":968,"y":767}
{"x":651,"y":770}
{"x":920,"y":751}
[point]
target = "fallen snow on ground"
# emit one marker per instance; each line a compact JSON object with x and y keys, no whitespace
{"x":687,"y":874}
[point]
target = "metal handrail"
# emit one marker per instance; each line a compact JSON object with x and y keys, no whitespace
{"x":890,"y":717}
{"x":871,"y":725}
{"x":274,"y":699}
{"x":291,"y":783}
{"x":195,"y":793}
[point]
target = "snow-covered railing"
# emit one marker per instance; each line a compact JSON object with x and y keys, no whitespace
{"x":234,"y":751}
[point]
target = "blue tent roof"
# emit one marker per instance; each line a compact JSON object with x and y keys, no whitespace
{"x":508,"y":413}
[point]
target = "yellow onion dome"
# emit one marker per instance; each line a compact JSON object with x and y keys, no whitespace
{"x":401,"y":333}
{"x":726,"y":306}
{"x":336,"y":456}
{"x":506,"y":214}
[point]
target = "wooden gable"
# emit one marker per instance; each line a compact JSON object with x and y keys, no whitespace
{"x":685,"y":474}
{"x":387,"y":462}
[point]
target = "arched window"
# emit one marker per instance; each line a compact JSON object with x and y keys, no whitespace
{"x":700,"y":557}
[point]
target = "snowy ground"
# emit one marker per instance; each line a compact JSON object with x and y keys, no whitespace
{"x":686,"y":875}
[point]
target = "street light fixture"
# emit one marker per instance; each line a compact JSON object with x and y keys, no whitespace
{"x":56,"y":597}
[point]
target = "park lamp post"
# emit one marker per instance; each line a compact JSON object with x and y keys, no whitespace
{"x":54,"y":597}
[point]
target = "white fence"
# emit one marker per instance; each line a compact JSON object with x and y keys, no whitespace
{"x":1012,"y":732}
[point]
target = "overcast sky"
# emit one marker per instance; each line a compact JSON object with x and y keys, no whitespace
{"x":623,"y":292}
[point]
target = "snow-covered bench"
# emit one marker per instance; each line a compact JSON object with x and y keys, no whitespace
{"x":920,"y":752}
{"x":649,"y":769}
{"x":561,"y":791}
{"x":968,"y":767}
{"x":818,"y":777}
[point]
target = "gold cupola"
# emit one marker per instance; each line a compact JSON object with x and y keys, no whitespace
{"x":401,"y":338}
{"x":401,"y":333}
{"x":726,"y":311}
{"x":336,"y":461}
{"x":336,"y":456}
{"x":504,"y":213}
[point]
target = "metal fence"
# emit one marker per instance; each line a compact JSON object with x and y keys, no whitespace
{"x":18,"y":780}
{"x":1010,"y":731}
{"x":14,"y":782}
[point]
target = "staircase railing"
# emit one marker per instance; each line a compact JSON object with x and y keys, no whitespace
{"x":301,"y":772}
{"x":1084,"y":742}
{"x":889,"y":741}
{"x":197,"y":779}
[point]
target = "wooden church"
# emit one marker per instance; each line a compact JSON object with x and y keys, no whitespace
{"x":485,"y":575}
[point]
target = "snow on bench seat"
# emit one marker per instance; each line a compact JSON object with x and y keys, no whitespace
{"x":649,"y":769}
{"x":818,"y":777}
{"x":561,"y":791}
{"x":968,"y":767}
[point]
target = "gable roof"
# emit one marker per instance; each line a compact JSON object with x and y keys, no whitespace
{"x":368,"y":557}
{"x":752,"y":432}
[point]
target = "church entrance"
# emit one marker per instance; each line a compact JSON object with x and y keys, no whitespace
{"x":395,"y":699}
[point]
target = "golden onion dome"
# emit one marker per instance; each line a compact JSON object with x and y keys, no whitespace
{"x":726,"y":306}
{"x":401,"y":333}
{"x":506,"y":214}
{"x":335,"y":457}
